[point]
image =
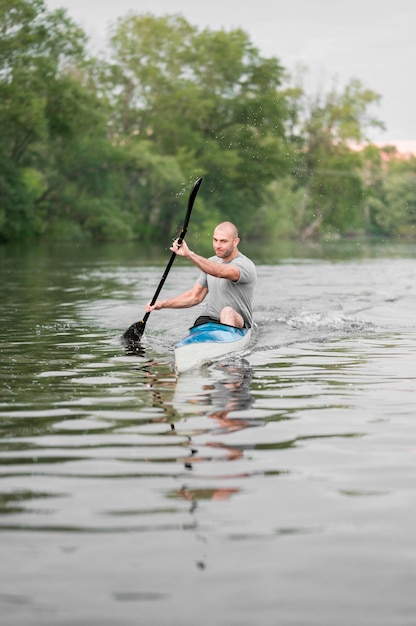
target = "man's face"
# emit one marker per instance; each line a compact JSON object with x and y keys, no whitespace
{"x":223,"y":243}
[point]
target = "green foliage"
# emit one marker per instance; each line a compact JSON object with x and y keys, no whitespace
{"x":392,"y":205}
{"x":281,"y":214}
{"x":327,"y":169}
{"x":108,"y":148}
{"x":205,"y":98}
{"x":35,"y":47}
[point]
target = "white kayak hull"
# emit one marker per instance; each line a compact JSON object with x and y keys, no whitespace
{"x":207,"y":342}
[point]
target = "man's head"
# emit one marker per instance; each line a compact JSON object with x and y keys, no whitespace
{"x":225,"y":240}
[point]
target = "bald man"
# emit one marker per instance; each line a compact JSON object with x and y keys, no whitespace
{"x":227,"y":278}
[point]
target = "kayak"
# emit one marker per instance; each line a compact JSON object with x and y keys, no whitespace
{"x":209,"y":341}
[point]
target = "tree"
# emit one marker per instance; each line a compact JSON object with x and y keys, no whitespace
{"x":35,"y":49}
{"x":328,"y":168}
{"x":206,"y":98}
{"x":391,"y":200}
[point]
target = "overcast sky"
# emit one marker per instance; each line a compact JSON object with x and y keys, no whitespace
{"x":372,"y":40}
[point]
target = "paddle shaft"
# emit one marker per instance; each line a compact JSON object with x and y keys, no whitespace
{"x":162,"y":281}
{"x":138,"y":328}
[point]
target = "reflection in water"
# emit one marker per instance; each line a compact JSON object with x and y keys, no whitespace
{"x":226,"y":388}
{"x":133,"y":349}
{"x":216,"y":398}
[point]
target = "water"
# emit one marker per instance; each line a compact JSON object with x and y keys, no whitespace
{"x":275,"y":488}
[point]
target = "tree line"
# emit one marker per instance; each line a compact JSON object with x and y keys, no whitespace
{"x":107,"y":146}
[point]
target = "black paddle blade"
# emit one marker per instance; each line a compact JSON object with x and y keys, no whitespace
{"x":134,"y":333}
{"x":131,"y":339}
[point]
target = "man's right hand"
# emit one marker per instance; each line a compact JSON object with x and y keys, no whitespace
{"x":181,"y":249}
{"x":154,"y":307}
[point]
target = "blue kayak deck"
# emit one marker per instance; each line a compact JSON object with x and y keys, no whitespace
{"x":207,"y":342}
{"x":212,"y":332}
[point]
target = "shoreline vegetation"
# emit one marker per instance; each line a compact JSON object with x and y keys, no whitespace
{"x":105,"y":147}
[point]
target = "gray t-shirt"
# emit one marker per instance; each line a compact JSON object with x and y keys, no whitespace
{"x":223,"y":292}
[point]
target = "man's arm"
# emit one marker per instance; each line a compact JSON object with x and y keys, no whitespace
{"x":183,"y":301}
{"x":220,"y":270}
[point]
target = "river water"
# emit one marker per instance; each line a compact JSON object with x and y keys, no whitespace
{"x":274,"y":488}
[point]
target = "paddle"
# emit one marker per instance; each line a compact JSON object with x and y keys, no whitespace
{"x":134,"y":333}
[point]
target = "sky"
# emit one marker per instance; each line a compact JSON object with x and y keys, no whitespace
{"x":337,"y":40}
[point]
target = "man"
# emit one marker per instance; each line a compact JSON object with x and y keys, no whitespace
{"x":228,"y":278}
